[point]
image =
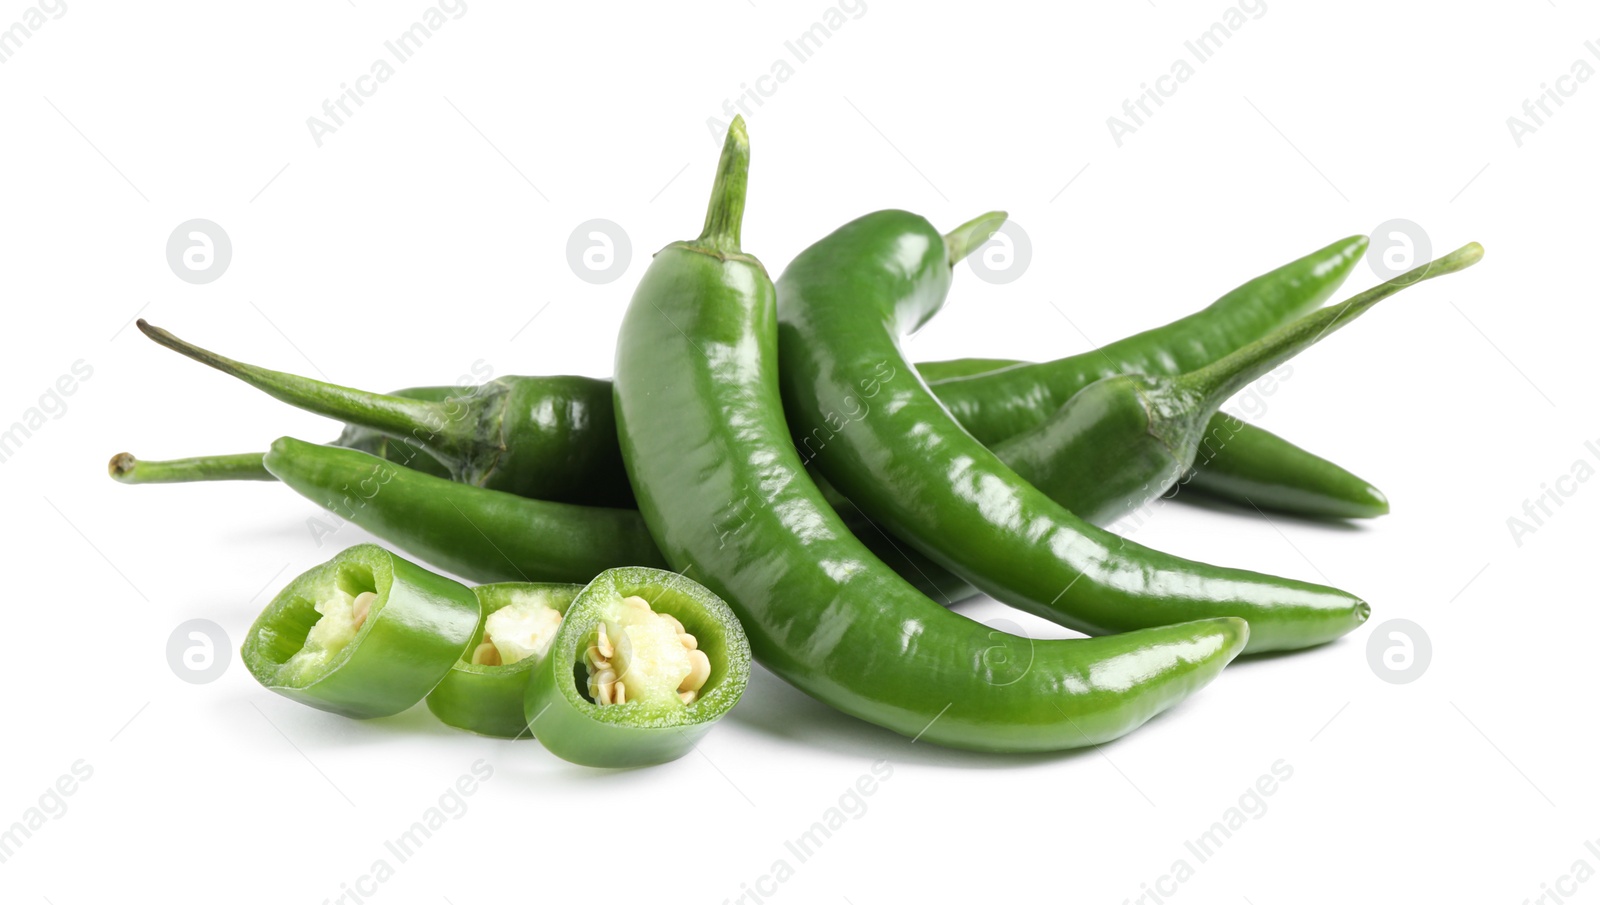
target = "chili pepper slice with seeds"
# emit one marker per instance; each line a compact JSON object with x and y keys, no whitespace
{"x":365,"y":634}
{"x":484,"y":690}
{"x":644,"y":664}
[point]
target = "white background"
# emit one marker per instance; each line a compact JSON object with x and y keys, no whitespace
{"x":424,"y":233}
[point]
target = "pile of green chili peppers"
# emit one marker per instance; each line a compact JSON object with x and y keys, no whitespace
{"x":768,"y":475}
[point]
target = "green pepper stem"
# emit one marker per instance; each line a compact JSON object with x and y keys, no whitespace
{"x":126,"y":469}
{"x":1220,"y":380}
{"x":725,"y":214}
{"x":429,"y":422}
{"x":970,"y":236}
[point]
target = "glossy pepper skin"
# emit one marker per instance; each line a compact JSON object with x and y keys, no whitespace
{"x":548,"y":438}
{"x":485,"y":535}
{"x":1238,"y":463}
{"x":1276,"y":475}
{"x":485,"y":699}
{"x":553,"y":437}
{"x":418,"y":627}
{"x":727,"y":497}
{"x":842,"y":305}
{"x":997,"y":404}
{"x":635,"y":733}
{"x":490,"y":535}
{"x":1120,"y":436}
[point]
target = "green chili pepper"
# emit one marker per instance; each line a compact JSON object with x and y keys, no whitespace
{"x":484,"y":690}
{"x":483,"y":436}
{"x":1255,"y":468}
{"x":999,"y":403}
{"x":366,"y":634}
{"x":727,"y":497}
{"x":661,"y":659}
{"x":485,"y":535}
{"x":907,"y":463}
{"x":1120,"y":435}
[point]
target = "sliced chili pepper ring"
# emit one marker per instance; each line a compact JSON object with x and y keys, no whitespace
{"x":484,"y":690}
{"x":366,"y":634}
{"x":614,"y":638}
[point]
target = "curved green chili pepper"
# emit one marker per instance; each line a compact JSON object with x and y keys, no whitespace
{"x":485,"y":535}
{"x":366,"y":634}
{"x":718,"y":481}
{"x":1000,"y":403}
{"x":483,"y":436}
{"x":1256,"y":468}
{"x":662,"y":660}
{"x":484,"y":690}
{"x":1118,"y":436}
{"x":841,"y":305}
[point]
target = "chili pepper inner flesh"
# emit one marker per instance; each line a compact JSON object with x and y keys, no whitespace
{"x":524,"y":628}
{"x":339,"y":612}
{"x":637,"y":654}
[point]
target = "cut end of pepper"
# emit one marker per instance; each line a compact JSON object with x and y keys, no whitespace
{"x":970,"y":236}
{"x":121,"y":468}
{"x":725,"y":214}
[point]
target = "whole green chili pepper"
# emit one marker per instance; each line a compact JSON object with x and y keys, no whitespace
{"x":1118,"y":436}
{"x":484,"y":690}
{"x":662,"y":660}
{"x":481,"y":534}
{"x":996,"y":404}
{"x":547,"y":438}
{"x":366,"y":634}
{"x":727,"y":497}
{"x":909,"y":464}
